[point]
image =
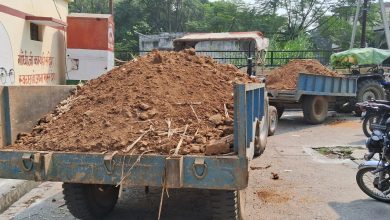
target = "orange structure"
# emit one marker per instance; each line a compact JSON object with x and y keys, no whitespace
{"x":90,"y":47}
{"x":91,"y":31}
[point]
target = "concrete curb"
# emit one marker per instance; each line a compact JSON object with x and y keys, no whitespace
{"x":12,"y":190}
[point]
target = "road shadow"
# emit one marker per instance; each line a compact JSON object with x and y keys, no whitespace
{"x":361,"y":209}
{"x":134,"y":204}
{"x":293,"y":121}
{"x":192,"y":204}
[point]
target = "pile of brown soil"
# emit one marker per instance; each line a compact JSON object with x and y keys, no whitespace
{"x":148,"y":101}
{"x":286,"y":77}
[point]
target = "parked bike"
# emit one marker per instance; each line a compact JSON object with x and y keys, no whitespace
{"x":373,"y":176}
{"x":374,"y":115}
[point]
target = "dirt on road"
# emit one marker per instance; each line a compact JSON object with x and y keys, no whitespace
{"x":149,"y":104}
{"x":286,"y":77}
{"x":270,"y":196}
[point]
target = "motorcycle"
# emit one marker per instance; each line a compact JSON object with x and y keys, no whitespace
{"x":373,"y":176}
{"x":374,"y":115}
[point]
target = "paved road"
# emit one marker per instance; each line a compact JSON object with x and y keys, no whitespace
{"x":310,"y":185}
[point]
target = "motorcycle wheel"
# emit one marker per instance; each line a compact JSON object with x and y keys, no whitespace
{"x":366,"y":180}
{"x":367,"y":122}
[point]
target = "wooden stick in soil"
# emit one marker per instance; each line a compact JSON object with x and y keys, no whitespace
{"x":181,"y":141}
{"x":196,"y":132}
{"x":136,"y":141}
{"x":168,"y":121}
{"x":173,"y":131}
{"x":186,"y":103}
{"x":193,"y":110}
{"x":226,"y":111}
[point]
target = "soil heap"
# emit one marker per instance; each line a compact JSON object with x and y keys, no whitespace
{"x":142,"y":106}
{"x":286,"y":77}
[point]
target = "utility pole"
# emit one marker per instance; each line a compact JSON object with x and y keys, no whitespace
{"x":355,"y":21}
{"x":111,"y":6}
{"x":385,"y":23}
{"x":364,"y":24}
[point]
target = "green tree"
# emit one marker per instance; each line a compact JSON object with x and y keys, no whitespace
{"x":338,"y":26}
{"x":130,"y":21}
{"x":134,"y":17}
{"x":89,"y":6}
{"x":301,"y":43}
{"x":301,"y":15}
{"x":225,"y":16}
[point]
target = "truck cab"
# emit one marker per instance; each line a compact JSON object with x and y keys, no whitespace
{"x":246,"y":50}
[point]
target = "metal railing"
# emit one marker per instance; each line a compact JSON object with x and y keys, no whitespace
{"x":279,"y":57}
{"x":239,"y":58}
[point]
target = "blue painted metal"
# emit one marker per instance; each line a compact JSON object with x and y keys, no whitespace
{"x":7,"y":117}
{"x":262,"y":94}
{"x":249,"y":116}
{"x":317,"y":85}
{"x":326,"y":85}
{"x":246,"y":114}
{"x":239,"y":120}
{"x":223,"y":172}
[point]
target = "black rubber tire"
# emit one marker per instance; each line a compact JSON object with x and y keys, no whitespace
{"x":340,"y":109}
{"x":359,"y":180}
{"x":315,"y":109}
{"x":228,"y":205}
{"x":87,"y":201}
{"x":280,"y":110}
{"x":365,"y":125}
{"x":273,"y":120}
{"x":261,"y":133}
{"x":366,"y":89}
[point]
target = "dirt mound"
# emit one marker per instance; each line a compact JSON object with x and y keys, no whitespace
{"x":147,"y":104}
{"x":286,"y":77}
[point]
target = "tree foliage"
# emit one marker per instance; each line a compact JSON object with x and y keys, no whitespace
{"x":89,"y":6}
{"x":283,"y":20}
{"x":301,"y":15}
{"x":338,"y":26}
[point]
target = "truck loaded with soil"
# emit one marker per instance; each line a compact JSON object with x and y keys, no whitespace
{"x":318,"y":93}
{"x":146,"y":105}
{"x":166,"y":119}
{"x":309,"y":85}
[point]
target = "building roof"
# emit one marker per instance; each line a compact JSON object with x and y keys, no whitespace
{"x":261,"y":41}
{"x":88,"y":15}
{"x":49,"y":21}
{"x":222,"y":36}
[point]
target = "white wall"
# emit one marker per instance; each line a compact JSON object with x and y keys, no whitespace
{"x":35,"y":62}
{"x":88,"y":64}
